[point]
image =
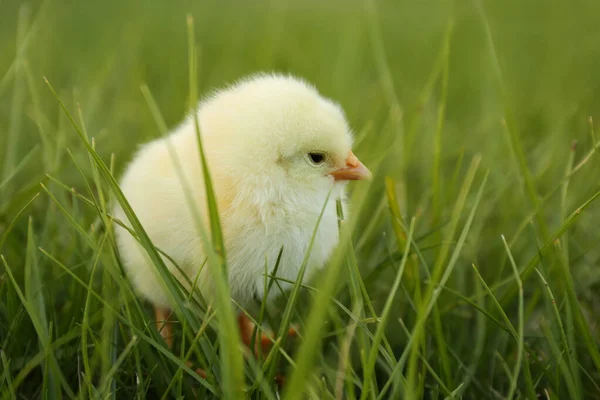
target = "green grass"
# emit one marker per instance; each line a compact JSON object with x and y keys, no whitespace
{"x":470,"y":267}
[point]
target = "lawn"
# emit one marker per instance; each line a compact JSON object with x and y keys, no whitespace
{"x":469,"y":268}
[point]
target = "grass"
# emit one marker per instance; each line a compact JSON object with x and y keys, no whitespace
{"x":469,"y":268}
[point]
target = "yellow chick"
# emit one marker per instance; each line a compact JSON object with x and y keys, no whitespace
{"x":275,"y":149}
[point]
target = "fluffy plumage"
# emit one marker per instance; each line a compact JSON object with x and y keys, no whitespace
{"x":275,"y":148}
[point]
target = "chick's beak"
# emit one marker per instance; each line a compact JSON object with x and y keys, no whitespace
{"x":353,"y":171}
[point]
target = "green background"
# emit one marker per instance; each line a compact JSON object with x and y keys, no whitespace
{"x":533,"y":64}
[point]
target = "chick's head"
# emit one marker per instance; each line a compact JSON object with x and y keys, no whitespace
{"x":278,"y":131}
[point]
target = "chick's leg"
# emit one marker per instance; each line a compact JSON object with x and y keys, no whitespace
{"x":264,"y":341}
{"x":164,"y":324}
{"x":165,"y":327}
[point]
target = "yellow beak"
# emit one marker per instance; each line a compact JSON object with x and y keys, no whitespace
{"x":353,"y":171}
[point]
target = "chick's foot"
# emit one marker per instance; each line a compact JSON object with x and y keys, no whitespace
{"x":164,"y":324}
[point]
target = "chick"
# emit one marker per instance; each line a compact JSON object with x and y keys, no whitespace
{"x":275,"y":150}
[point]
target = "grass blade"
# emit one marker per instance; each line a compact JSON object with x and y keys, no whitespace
{"x":419,"y":326}
{"x":369,"y":369}
{"x":296,"y":387}
{"x":515,"y":375}
{"x":229,"y":336}
{"x":558,"y":354}
{"x":6,"y":382}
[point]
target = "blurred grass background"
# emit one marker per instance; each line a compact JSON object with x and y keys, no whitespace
{"x":522,"y":82}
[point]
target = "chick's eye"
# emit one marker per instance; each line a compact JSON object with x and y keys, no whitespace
{"x":316,"y":158}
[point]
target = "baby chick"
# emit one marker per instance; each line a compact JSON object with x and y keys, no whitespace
{"x":275,"y":149}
